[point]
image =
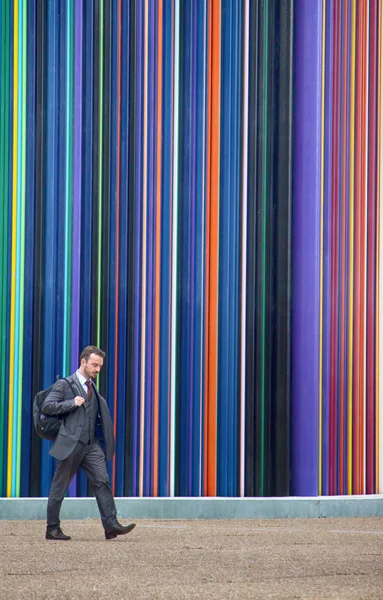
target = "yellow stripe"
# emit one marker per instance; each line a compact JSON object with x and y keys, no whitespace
{"x":321,"y":254}
{"x":351,"y":278}
{"x":13,"y":251}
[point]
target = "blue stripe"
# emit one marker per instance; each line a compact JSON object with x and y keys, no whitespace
{"x":51,"y":221}
{"x":163,"y":482}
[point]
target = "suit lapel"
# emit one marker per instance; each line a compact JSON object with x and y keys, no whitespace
{"x":81,"y":391}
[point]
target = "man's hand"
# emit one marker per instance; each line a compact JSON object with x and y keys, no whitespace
{"x":79,"y":400}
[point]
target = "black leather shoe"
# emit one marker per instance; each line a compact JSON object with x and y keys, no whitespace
{"x":118,"y":529}
{"x":57,"y":534}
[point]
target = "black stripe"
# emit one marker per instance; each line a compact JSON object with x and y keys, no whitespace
{"x":280,"y":463}
{"x":128,"y":487}
{"x":39,"y":233}
{"x":251,"y":254}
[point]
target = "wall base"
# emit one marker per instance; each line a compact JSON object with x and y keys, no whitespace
{"x":202,"y":508}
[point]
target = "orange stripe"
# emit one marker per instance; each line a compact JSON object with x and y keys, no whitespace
{"x":212,"y":249}
{"x":208,"y":178}
{"x":158,"y":258}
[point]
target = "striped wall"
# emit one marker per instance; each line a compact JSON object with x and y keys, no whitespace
{"x":195,"y":187}
{"x":146,"y":208}
{"x":337,"y":308}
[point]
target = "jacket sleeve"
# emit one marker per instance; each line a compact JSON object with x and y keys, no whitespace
{"x":56,"y":404}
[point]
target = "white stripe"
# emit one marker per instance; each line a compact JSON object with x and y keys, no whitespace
{"x":174,"y":249}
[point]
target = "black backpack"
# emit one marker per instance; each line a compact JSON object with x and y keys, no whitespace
{"x":46,"y":426}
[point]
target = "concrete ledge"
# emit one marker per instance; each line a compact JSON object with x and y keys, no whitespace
{"x":202,"y":508}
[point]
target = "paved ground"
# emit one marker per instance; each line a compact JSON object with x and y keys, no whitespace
{"x":310,"y":559}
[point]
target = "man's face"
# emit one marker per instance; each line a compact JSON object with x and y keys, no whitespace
{"x":91,"y":367}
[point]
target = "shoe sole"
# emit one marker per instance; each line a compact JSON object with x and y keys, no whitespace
{"x":112,"y":536}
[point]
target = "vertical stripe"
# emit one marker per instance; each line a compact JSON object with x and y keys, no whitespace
{"x":174,"y":257}
{"x":379,"y":296}
{"x":100,"y":173}
{"x":144,"y":252}
{"x":68,"y":188}
{"x":156,"y":367}
{"x":117,"y":241}
{"x":76,"y":184}
{"x":351,"y":275}
{"x":320,"y":439}
{"x":13,"y":259}
{"x":245,"y":116}
{"x":212,"y":241}
{"x":305,"y":317}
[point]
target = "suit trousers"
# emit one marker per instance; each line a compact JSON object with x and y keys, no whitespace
{"x":91,"y":459}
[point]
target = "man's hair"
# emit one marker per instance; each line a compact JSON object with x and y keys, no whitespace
{"x":91,"y":350}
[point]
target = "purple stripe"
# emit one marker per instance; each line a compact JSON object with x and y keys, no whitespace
{"x":137,"y":259}
{"x":306,"y":240}
{"x":327,"y":251}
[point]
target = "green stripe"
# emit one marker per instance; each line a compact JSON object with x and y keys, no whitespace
{"x":99,"y":249}
{"x":68,"y":192}
{"x":264,"y":245}
{"x":4,"y":183}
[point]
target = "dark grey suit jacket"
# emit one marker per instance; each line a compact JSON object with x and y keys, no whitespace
{"x":60,"y":401}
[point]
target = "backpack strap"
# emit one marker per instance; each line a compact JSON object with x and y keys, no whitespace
{"x":72,"y":385}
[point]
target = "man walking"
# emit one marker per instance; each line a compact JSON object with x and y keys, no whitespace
{"x":78,"y":443}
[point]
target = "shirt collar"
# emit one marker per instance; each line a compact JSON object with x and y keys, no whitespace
{"x":81,"y":378}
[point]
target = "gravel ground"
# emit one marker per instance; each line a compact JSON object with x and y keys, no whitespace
{"x":295,"y":558}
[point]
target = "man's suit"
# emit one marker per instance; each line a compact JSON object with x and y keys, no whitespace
{"x":78,"y":445}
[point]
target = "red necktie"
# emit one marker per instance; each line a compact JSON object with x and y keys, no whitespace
{"x":89,"y":386}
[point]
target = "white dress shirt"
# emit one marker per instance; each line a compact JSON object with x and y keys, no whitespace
{"x":82,"y":380}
